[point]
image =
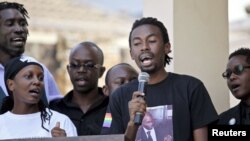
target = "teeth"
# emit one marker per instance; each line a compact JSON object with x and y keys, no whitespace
{"x":35,"y":91}
{"x":146,"y":62}
{"x":145,"y":56}
{"x":18,"y":39}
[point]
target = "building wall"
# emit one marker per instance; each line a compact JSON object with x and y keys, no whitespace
{"x":200,"y":44}
{"x":57,"y":26}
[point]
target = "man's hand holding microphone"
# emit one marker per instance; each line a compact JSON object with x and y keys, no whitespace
{"x":137,"y":107}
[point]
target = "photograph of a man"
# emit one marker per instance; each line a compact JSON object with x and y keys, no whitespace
{"x":149,"y":131}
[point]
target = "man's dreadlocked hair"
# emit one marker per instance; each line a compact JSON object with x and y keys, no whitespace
{"x":241,"y":51}
{"x":155,"y":22}
{"x":14,"y":5}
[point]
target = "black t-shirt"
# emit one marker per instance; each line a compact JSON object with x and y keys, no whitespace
{"x":89,"y":123}
{"x":237,"y":115}
{"x":191,"y":104}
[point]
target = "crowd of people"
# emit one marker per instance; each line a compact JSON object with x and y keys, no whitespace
{"x":174,"y":107}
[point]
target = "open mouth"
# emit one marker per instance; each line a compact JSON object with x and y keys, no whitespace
{"x":18,"y":40}
{"x":81,"y":81}
{"x":235,"y":87}
{"x":35,"y":91}
{"x":146,"y":59}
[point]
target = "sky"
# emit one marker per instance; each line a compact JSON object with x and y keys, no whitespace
{"x":132,"y":7}
{"x":236,"y":9}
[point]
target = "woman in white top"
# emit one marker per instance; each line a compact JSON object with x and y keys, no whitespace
{"x":23,"y":114}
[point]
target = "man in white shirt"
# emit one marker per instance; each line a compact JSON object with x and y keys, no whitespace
{"x":13,"y":36}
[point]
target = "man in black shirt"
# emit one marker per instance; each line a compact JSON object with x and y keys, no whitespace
{"x":86,"y":104}
{"x":180,"y":99}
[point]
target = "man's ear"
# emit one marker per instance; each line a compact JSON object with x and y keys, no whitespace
{"x":68,"y":69}
{"x":131,"y":55}
{"x":167,"y":48}
{"x":102,"y":70}
{"x":105,"y":90}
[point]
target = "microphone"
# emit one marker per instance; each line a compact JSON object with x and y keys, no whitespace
{"x":143,"y":79}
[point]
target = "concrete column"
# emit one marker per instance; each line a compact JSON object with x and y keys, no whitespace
{"x":198,"y":33}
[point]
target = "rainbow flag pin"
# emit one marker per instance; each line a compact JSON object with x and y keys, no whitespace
{"x":107,"y":120}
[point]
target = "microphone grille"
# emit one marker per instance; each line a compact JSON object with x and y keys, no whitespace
{"x":143,"y":77}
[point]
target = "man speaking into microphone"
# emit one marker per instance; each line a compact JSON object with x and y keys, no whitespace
{"x":179,"y":104}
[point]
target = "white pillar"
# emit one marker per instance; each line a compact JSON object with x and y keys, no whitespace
{"x":198,"y":33}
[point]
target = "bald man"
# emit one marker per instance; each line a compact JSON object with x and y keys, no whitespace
{"x":85,"y":104}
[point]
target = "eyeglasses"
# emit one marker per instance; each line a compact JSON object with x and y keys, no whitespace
{"x":238,"y":70}
{"x":87,"y":66}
